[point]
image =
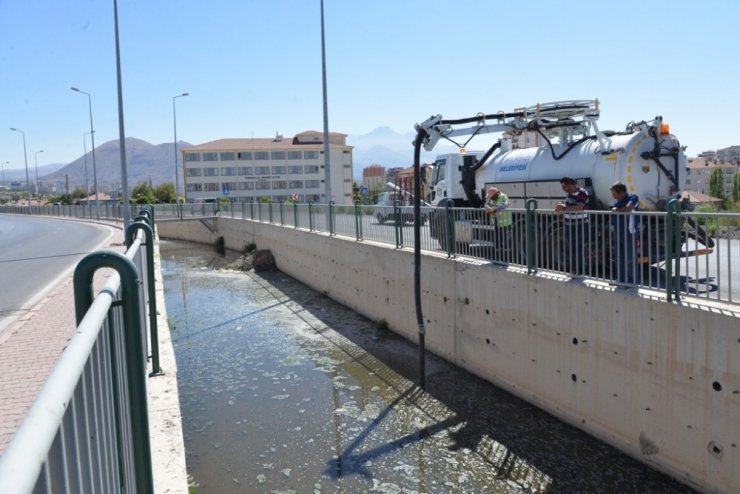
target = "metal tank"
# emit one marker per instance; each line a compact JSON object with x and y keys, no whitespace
{"x":534,"y":172}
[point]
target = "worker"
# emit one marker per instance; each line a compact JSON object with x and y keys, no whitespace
{"x":499,"y":216}
{"x":573,"y":209}
{"x":625,"y":232}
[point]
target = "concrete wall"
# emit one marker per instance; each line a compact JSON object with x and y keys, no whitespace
{"x":658,"y":380}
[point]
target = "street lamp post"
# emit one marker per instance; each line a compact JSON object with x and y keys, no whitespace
{"x":36,"y":164}
{"x":84,"y":148}
{"x":177,"y":170}
{"x":4,"y":163}
{"x":25,"y":158}
{"x":92,"y":138}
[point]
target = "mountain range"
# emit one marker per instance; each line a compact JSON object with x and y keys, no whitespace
{"x":156,"y":162}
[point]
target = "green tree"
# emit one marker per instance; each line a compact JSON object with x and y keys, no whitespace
{"x":717,"y":183}
{"x":165,"y":192}
{"x":736,"y":189}
{"x":143,"y":193}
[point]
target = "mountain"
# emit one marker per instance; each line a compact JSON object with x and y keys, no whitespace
{"x":386,"y":147}
{"x":19,"y":174}
{"x":144,"y":162}
{"x":156,"y":163}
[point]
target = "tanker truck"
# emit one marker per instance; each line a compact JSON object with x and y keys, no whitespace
{"x":538,"y":146}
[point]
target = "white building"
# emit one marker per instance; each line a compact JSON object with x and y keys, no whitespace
{"x":244,"y":170}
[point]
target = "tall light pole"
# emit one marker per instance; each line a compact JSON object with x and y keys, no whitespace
{"x":92,"y":137}
{"x":327,"y":171}
{"x":25,"y":158}
{"x":177,"y":169}
{"x":84,"y":148}
{"x":36,"y":164}
{"x":4,"y":163}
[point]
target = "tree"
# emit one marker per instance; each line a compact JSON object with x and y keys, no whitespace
{"x":142,"y":193}
{"x":717,"y":183}
{"x":165,"y":192}
{"x":736,"y":188}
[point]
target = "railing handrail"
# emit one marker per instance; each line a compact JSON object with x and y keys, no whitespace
{"x":25,"y":459}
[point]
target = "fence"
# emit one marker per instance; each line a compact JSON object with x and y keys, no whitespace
{"x":87,"y":430}
{"x":678,"y":252}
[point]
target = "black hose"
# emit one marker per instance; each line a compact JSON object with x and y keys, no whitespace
{"x":420,"y":135}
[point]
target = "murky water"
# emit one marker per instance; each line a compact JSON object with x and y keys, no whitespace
{"x":284,"y":391}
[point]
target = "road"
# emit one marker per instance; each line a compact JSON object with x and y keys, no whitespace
{"x":35,"y":253}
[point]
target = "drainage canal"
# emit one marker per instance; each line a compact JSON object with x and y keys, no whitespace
{"x":284,"y":391}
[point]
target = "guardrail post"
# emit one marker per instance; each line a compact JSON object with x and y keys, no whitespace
{"x":397,"y":225}
{"x":269,"y":211}
{"x":135,"y":361}
{"x":673,"y":258}
{"x":450,"y":229}
{"x":310,"y":216}
{"x":295,"y":214}
{"x":282,"y":216}
{"x":530,"y":222}
{"x":332,"y":230}
{"x":139,"y":224}
{"x":251,"y":210}
{"x":259,"y":211}
{"x":358,"y":220}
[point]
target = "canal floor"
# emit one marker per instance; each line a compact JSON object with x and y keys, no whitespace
{"x":284,"y":391}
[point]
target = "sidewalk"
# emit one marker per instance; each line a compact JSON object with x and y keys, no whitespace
{"x":30,"y":348}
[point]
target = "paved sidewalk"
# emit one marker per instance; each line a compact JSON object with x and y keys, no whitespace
{"x":30,"y":348}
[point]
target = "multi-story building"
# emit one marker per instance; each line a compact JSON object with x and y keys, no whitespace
{"x":699,"y":170}
{"x":244,"y":170}
{"x":731,"y":154}
{"x":373,"y":177}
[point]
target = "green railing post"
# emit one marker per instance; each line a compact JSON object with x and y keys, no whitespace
{"x":259,"y":211}
{"x":282,"y":216}
{"x":140,"y":224}
{"x":332,"y":230}
{"x":251,"y":210}
{"x":530,"y":222}
{"x":450,"y":229}
{"x":673,"y":258}
{"x":397,"y":225}
{"x":135,"y":360}
{"x":310,"y":216}
{"x":269,"y":210}
{"x":358,"y":220}
{"x":295,"y":214}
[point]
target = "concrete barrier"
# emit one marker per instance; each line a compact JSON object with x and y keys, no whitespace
{"x":658,"y":380}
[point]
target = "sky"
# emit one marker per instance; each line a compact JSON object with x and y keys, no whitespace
{"x":252,"y":68}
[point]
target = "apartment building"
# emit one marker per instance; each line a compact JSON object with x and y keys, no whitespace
{"x":699,"y":170}
{"x":373,"y":177}
{"x":244,"y":170}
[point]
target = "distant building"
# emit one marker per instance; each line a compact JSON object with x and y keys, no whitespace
{"x":405,"y":179}
{"x":373,"y":177}
{"x":731,"y":154}
{"x":391,"y":174}
{"x":699,"y":170}
{"x":244,"y":170}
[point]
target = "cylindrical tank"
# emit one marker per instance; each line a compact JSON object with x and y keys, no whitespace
{"x":536,"y":167}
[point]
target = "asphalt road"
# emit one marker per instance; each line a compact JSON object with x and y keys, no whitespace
{"x":35,"y":253}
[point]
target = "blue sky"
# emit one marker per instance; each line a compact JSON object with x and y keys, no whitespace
{"x":253,"y":67}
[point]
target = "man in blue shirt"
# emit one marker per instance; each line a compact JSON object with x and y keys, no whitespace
{"x":625,"y":232}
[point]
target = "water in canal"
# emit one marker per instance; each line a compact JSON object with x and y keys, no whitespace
{"x":284,"y":391}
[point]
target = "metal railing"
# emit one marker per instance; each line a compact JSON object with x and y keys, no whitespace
{"x":669,"y":252}
{"x":87,"y":430}
{"x":666,"y":251}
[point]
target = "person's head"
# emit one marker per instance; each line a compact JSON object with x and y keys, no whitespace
{"x":618,"y":190}
{"x":492,"y":193}
{"x":568,"y":184}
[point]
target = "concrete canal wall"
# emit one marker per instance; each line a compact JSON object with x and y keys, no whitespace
{"x":658,"y":380}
